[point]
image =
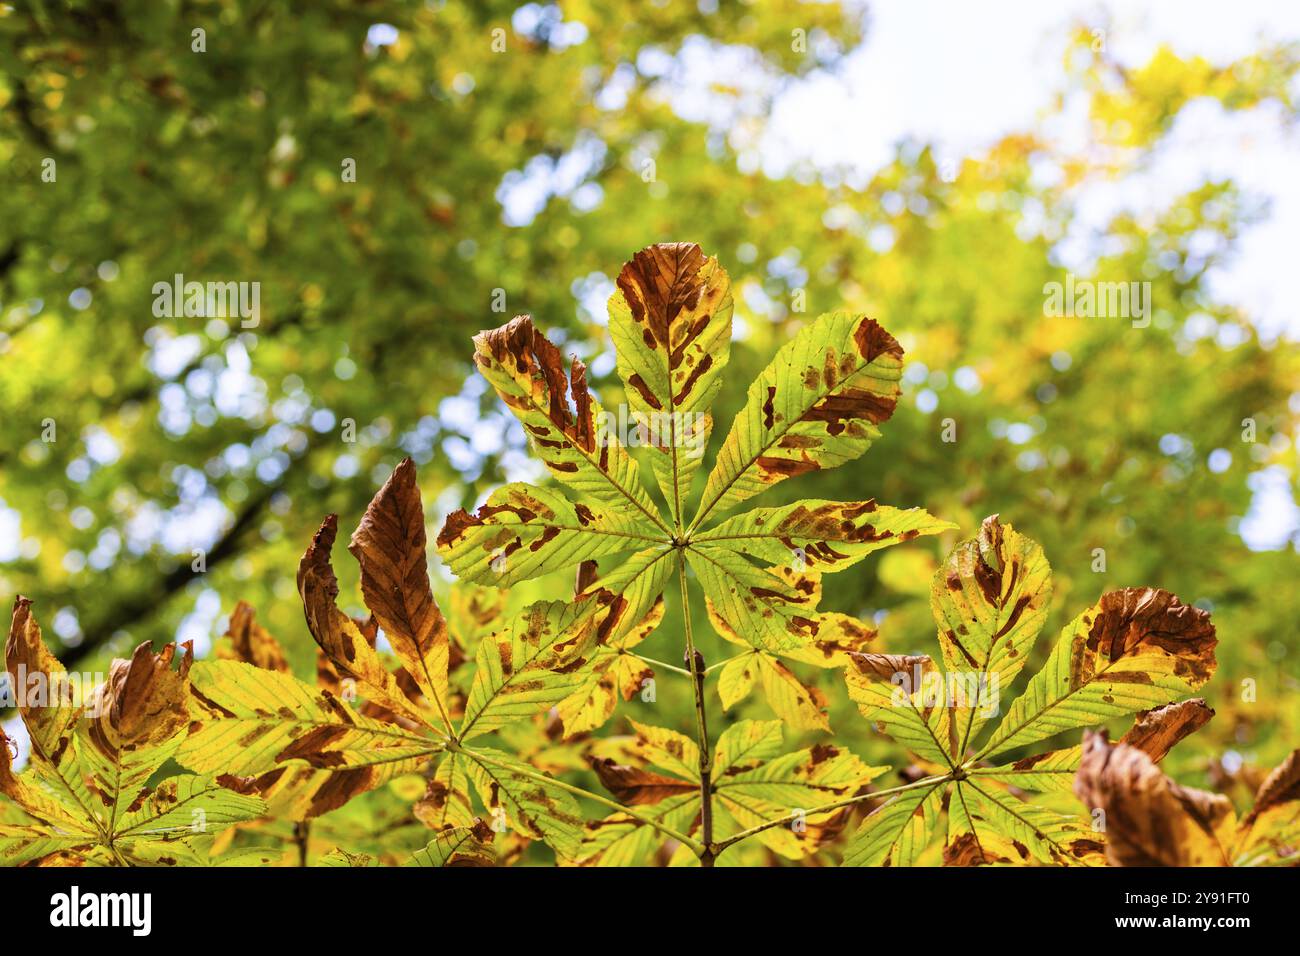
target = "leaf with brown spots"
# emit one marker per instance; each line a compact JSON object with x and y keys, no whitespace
{"x":762,"y":607}
{"x":568,"y":429}
{"x":1135,"y":649}
{"x":798,"y":781}
{"x":901,"y":694}
{"x":835,"y":638}
{"x":522,"y":532}
{"x":898,"y":831}
{"x":670,"y":319}
{"x":613,"y":673}
{"x":532,"y":665}
{"x":989,"y":600}
{"x":458,"y":846}
{"x":519,"y":798}
{"x":817,"y":405}
{"x":821,"y":536}
{"x":799,"y":706}
{"x":755,"y":783}
{"x":986,"y":824}
{"x":303,"y":750}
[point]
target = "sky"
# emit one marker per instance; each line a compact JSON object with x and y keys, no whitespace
{"x":993,"y":68}
{"x":960,"y":76}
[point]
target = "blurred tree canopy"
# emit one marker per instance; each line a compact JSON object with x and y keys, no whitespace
{"x":509,"y":159}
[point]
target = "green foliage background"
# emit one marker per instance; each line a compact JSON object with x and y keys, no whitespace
{"x":225,"y":165}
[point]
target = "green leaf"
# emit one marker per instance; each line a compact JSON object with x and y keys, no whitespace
{"x":670,"y":319}
{"x":896,"y":832}
{"x":989,"y":600}
{"x":817,"y":405}
{"x":819,"y":535}
{"x":522,"y":532}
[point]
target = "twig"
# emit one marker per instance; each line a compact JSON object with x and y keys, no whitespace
{"x":696,"y":661}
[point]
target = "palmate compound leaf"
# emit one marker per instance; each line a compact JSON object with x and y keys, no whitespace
{"x":309,"y":750}
{"x":1137,"y":649}
{"x":86,"y":792}
{"x":1152,"y":821}
{"x":657,"y":772}
{"x":817,"y":405}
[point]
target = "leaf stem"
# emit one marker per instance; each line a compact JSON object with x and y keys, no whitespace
{"x":587,"y":794}
{"x":824,"y":808}
{"x":683,"y":671}
{"x":668,"y":667}
{"x":696,"y":662}
{"x":727,"y":660}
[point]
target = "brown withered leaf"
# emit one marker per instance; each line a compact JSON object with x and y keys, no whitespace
{"x":1150,"y":820}
{"x":250,"y":642}
{"x":389,"y":544}
{"x":1155,"y":732}
{"x":338,"y":635}
{"x":634,"y":786}
{"x":51,"y":710}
